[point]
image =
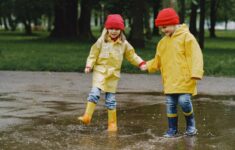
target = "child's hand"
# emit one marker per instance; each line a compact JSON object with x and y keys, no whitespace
{"x":143,"y":67}
{"x":87,"y":70}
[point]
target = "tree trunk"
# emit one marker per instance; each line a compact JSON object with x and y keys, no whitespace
{"x":213,"y":18}
{"x":193,"y":19}
{"x":84,"y":26}
{"x":182,"y":11}
{"x":137,"y":26}
{"x":101,"y":19}
{"x":27,"y":25}
{"x":156,"y":7}
{"x":202,"y":21}
{"x":66,"y":14}
{"x":5,"y":23}
{"x":226,"y":24}
{"x":49,"y":20}
{"x":147,"y":27}
{"x":96,"y":19}
{"x":12,"y":23}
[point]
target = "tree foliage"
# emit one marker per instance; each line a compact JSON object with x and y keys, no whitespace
{"x":73,"y":17}
{"x":28,"y":11}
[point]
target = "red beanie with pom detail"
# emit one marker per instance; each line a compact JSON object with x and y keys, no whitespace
{"x":114,"y":21}
{"x":167,"y":16}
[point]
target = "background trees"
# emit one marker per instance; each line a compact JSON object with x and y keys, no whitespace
{"x":65,"y":22}
{"x":137,"y":24}
{"x":6,"y":12}
{"x":25,"y":12}
{"x":76,"y":18}
{"x":202,"y":22}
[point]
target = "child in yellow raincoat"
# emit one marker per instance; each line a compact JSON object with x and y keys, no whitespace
{"x":180,"y":60}
{"x":105,"y":59}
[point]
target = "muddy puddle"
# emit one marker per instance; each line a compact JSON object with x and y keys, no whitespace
{"x":51,"y":124}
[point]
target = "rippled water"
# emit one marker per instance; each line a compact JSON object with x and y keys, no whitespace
{"x":140,"y":127}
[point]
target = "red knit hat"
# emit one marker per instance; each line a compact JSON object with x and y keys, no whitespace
{"x":167,"y":16}
{"x":114,"y":21}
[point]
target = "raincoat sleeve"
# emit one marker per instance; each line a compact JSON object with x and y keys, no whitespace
{"x":194,"y":57}
{"x":154,"y":64}
{"x":131,"y":56}
{"x":94,"y":53}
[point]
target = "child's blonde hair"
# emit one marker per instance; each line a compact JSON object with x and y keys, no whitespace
{"x":104,"y":35}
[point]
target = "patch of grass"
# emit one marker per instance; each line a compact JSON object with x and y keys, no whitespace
{"x":219,"y":54}
{"x":37,"y":52}
{"x":40,"y":53}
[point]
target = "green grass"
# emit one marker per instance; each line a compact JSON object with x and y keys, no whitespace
{"x":18,"y":52}
{"x":219,"y":54}
{"x":40,"y":53}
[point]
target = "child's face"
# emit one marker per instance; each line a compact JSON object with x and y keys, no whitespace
{"x":114,"y":33}
{"x":168,"y":30}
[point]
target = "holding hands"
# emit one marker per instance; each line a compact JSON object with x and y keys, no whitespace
{"x":143,"y":66}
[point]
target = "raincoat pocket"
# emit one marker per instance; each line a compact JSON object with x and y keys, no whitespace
{"x":100,"y":69}
{"x":104,"y":55}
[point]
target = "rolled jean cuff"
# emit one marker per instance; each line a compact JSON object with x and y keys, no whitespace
{"x":110,"y":100}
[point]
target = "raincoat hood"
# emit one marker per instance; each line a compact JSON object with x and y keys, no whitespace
{"x":181,"y":29}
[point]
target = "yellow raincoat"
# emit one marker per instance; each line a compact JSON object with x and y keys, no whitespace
{"x":106,"y":59}
{"x":179,"y":58}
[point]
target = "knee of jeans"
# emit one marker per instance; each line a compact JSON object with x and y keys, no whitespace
{"x":95,"y":90}
{"x":94,"y":95}
{"x":184,"y":100}
{"x":186,"y":107}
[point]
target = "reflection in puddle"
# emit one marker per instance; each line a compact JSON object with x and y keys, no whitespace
{"x":140,"y":127}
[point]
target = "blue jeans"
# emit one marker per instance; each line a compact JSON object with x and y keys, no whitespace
{"x":184,"y":100}
{"x":110,"y":101}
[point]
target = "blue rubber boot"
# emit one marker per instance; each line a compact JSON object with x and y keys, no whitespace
{"x":172,"y":131}
{"x":190,"y":125}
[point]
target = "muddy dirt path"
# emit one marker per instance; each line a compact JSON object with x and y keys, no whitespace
{"x":38,"y":110}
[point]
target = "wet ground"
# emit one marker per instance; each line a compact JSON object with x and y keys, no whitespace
{"x":39,"y":110}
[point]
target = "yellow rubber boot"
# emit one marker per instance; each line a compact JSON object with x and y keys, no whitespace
{"x":86,"y":118}
{"x":112,"y":120}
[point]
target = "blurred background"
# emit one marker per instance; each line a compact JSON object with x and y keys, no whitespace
{"x":56,"y":35}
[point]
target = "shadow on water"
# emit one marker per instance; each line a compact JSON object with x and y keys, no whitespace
{"x":140,"y":128}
